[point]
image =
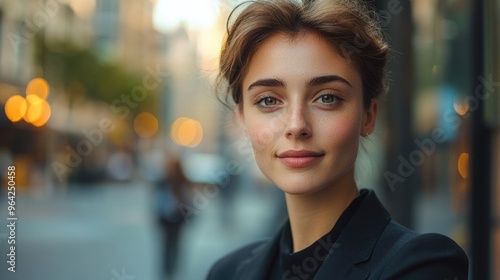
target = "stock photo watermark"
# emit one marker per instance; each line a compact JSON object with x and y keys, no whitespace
{"x":11,"y":218}
{"x":31,"y":26}
{"x":221,"y":179}
{"x":94,"y":137}
{"x":427,"y":146}
{"x":311,"y":263}
{"x":393,"y":8}
{"x":202,"y":196}
{"x":121,"y":275}
{"x":384,"y":17}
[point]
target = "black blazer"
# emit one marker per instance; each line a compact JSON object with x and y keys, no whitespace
{"x":371,"y":246}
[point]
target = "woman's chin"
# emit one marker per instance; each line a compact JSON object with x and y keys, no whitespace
{"x":299,"y":189}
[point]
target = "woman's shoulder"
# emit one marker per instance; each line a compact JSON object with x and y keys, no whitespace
{"x":409,"y":255}
{"x":227,"y":266}
{"x":401,"y":237}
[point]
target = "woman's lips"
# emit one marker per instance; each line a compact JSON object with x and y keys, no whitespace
{"x":299,"y":158}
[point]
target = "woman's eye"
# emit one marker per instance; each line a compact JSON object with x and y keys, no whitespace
{"x":328,"y":99}
{"x":267,"y":101}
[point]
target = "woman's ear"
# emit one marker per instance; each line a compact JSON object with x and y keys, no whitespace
{"x":370,"y":118}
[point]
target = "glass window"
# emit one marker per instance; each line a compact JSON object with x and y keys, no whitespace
{"x":442,"y":47}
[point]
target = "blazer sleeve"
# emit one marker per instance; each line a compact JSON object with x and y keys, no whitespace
{"x":427,"y":256}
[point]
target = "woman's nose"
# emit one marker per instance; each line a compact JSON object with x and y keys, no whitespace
{"x":298,"y":123}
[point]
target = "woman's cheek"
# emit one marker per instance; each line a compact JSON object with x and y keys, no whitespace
{"x":344,"y":131}
{"x":262,"y":132}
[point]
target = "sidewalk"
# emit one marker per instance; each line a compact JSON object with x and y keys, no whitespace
{"x":109,"y":233}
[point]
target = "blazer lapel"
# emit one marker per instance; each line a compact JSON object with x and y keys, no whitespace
{"x":354,"y":246}
{"x":257,"y":266}
{"x":356,"y":242}
{"x":339,"y":266}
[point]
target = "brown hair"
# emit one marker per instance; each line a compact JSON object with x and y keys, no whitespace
{"x":348,"y":25}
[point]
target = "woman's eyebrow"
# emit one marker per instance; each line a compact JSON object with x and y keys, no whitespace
{"x":316,"y":81}
{"x":267,"y":83}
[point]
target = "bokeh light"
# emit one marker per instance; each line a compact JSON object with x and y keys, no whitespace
{"x":146,"y":125}
{"x":39,"y":87}
{"x":463,"y":165}
{"x":44,"y":115}
{"x":35,"y":108}
{"x":460,"y":108}
{"x":186,"y":132}
{"x":15,"y":108}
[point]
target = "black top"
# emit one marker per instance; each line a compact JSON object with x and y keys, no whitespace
{"x":305,"y":263}
{"x":371,"y":246}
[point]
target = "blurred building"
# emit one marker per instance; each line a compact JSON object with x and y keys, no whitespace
{"x":193,"y":41}
{"x":17,"y":30}
{"x":35,"y":39}
{"x":443,"y":124}
{"x":124,"y":32}
{"x":22,"y":23}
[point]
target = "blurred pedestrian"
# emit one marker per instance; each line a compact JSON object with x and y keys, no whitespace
{"x":171,"y":193}
{"x":305,"y":77}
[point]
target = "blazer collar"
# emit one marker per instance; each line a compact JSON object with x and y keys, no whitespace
{"x":257,"y":266}
{"x":354,"y":245}
{"x":356,"y":242}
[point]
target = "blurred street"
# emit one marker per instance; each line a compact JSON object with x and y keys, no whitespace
{"x":109,"y":232}
{"x":111,"y":119}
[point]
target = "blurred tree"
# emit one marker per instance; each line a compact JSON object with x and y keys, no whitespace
{"x":83,"y":74}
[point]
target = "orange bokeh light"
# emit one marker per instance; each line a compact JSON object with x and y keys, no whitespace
{"x":463,"y":165}
{"x":39,"y":87}
{"x":44,"y":115}
{"x":15,"y":108}
{"x":186,"y":132}
{"x":35,"y":108}
{"x":146,"y":125}
{"x":461,"y":109}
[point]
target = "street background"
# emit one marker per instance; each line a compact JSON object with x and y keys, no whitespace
{"x":128,"y":167}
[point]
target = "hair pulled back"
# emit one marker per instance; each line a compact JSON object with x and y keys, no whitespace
{"x":349,"y":26}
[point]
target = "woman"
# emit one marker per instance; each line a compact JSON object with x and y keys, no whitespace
{"x":305,"y":77}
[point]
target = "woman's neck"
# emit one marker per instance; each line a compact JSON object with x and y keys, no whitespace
{"x":314,"y":215}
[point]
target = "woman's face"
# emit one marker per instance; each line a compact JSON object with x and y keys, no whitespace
{"x":302,"y":109}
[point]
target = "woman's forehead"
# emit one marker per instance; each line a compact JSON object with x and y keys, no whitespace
{"x":304,"y":55}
